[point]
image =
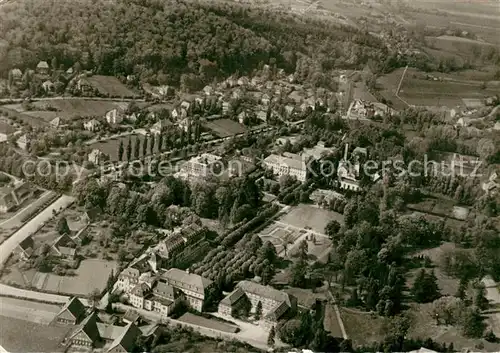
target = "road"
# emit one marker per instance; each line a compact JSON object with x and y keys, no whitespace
{"x":16,"y":220}
{"x":8,"y":246}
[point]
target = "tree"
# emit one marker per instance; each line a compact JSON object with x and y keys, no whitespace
{"x":425,"y":289}
{"x":270,"y":338}
{"x":447,"y":310}
{"x":480,"y":298}
{"x":332,"y":228}
{"x":94,"y":298}
{"x":299,"y":273}
{"x":258,"y":310}
{"x":145,"y":146}
{"x":472,"y":322}
{"x":137,"y":148}
{"x":62,"y":226}
{"x":129,"y":149}
{"x":120,"y":151}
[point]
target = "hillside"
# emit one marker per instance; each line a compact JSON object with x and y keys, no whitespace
{"x":160,"y":40}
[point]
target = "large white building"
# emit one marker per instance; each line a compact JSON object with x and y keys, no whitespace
{"x":287,"y":164}
{"x":202,"y":166}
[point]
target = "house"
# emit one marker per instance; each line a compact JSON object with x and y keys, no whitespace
{"x":125,"y":342}
{"x":14,"y":197}
{"x":131,"y":316}
{"x":128,"y":279}
{"x":64,"y":247}
{"x":170,"y":246}
{"x":275,"y":304}
{"x":348,"y":174}
{"x":360,"y":110}
{"x":289,"y":110}
{"x":26,"y":248}
{"x":92,"y":125}
{"x":6,"y":131}
{"x":287,"y":164}
{"x":48,"y":86}
{"x":56,"y":123}
{"x":95,"y":156}
{"x":202,"y":166}
{"x":71,"y":313}
{"x":161,"y":298}
{"x":208,"y":90}
{"x":266,"y":99}
{"x":193,"y":287}
{"x":42,"y":68}
{"x":226,"y":107}
{"x":85,"y":87}
{"x":69,"y":71}
{"x":115,"y":116}
{"x":184,"y":124}
{"x":185,"y":105}
{"x":86,"y":334}
{"x":160,"y":126}
{"x":262,"y":115}
{"x":242,"y":81}
{"x":317,"y":152}
{"x":17,"y":76}
{"x":241,"y":117}
{"x":24,"y":142}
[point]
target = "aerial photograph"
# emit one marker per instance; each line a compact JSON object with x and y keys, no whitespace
{"x":204,"y":176}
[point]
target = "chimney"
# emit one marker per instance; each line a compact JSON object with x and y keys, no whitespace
{"x":346,"y":151}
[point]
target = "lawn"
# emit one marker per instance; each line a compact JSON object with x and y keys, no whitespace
{"x":225,"y":127}
{"x":111,"y":146}
{"x":362,"y":328}
{"x":91,"y":274}
{"x":308,"y":216}
{"x":24,"y":336}
{"x":111,"y":86}
{"x":67,"y":109}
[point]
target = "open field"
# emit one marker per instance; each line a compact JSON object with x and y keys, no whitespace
{"x":362,"y":328}
{"x":37,"y":313}
{"x":312,"y":217}
{"x":91,"y":274}
{"x":24,"y":336}
{"x":66,"y":109}
{"x":111,"y":86}
{"x":225,"y":127}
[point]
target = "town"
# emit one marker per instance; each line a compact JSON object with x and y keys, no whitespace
{"x":335,"y":197}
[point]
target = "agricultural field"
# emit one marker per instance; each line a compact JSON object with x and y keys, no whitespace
{"x":111,"y":86}
{"x":224,"y":127}
{"x":66,"y":109}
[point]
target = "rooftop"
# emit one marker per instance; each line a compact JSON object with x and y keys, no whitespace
{"x":264,"y":291}
{"x":188,"y":281}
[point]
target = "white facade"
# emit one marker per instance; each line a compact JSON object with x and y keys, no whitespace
{"x":285,"y":165}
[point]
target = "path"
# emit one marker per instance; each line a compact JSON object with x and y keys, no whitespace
{"x":337,"y":313}
{"x":493,"y":296}
{"x":399,"y":87}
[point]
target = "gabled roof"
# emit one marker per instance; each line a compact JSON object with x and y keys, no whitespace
{"x":127,"y":339}
{"x":75,"y":307}
{"x":264,"y":291}
{"x":188,"y":281}
{"x":56,"y":121}
{"x":93,"y":213}
{"x":140,"y":290}
{"x":27,"y":245}
{"x":42,"y":65}
{"x":65,"y":241}
{"x":233,"y":297}
{"x":166,"y":291}
{"x":89,"y":327}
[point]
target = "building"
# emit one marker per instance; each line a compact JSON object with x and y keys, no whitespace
{"x":42,"y":68}
{"x":65,"y":248}
{"x":128,"y":279}
{"x":11,"y":198}
{"x":287,"y":164}
{"x":95,"y":156}
{"x":24,"y":142}
{"x":226,"y":107}
{"x":56,"y":123}
{"x":86,"y":334}
{"x":275,"y":303}
{"x":85,"y":87}
{"x":348,"y":173}
{"x":26,"y":248}
{"x":72,"y":312}
{"x":202,"y":166}
{"x":193,"y":287}
{"x":115,"y":116}
{"x":317,"y":152}
{"x":360,"y":109}
{"x":6,"y":131}
{"x":160,"y":126}
{"x":170,"y":246}
{"x":161,"y":298}
{"x":48,"y":86}
{"x":92,"y":125}
{"x":125,"y":342}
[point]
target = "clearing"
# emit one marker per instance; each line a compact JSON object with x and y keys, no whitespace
{"x":225,"y":127}
{"x":111,"y":86}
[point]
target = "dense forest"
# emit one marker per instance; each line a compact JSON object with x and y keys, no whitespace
{"x":169,"y":42}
